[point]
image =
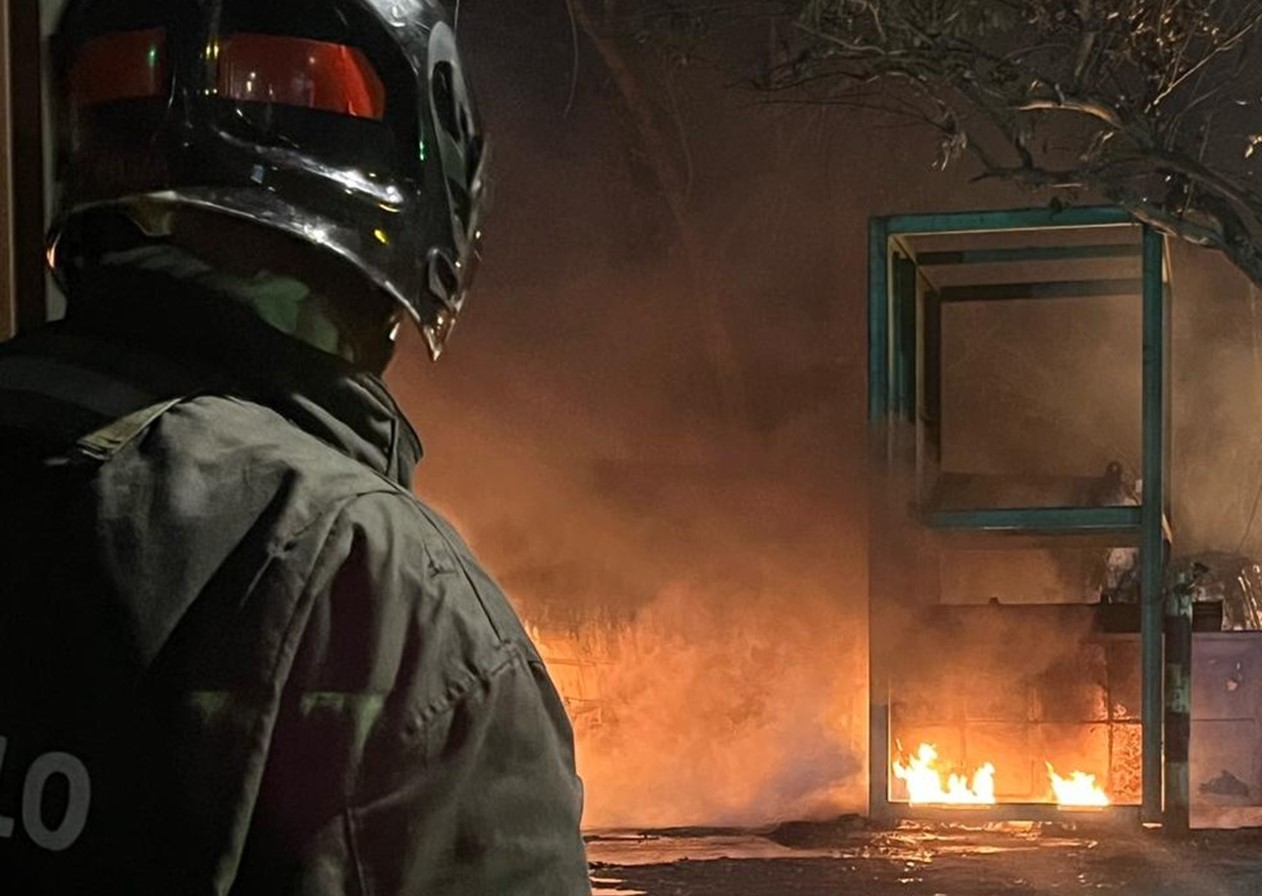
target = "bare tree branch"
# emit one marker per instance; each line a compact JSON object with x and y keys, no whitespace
{"x":1156,"y":105}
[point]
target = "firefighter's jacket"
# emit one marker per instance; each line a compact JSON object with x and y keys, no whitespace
{"x":236,"y":654}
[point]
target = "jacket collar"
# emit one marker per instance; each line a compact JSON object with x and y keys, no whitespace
{"x":210,"y":343}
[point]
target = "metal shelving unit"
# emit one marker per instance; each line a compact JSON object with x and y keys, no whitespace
{"x":906,"y":301}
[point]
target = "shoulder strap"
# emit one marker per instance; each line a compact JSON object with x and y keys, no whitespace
{"x":83,"y":415}
{"x":102,"y":444}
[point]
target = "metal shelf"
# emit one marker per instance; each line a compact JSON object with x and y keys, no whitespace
{"x":1040,"y":520}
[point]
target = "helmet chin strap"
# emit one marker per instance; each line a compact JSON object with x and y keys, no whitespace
{"x":283,"y":288}
{"x":288,"y":305}
{"x":294,"y":308}
{"x":283,"y":302}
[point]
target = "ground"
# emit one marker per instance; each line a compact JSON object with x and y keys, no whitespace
{"x":849,"y":858}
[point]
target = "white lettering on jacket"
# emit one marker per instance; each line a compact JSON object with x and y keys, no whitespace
{"x":65,"y":832}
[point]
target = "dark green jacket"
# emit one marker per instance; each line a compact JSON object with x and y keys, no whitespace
{"x":236,"y":654}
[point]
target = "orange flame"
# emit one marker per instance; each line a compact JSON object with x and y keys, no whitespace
{"x":928,"y":783}
{"x":925,"y":783}
{"x":1078,"y":790}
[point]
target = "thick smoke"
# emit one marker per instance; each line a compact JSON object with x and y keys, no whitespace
{"x":693,"y":571}
{"x":696,"y":572}
{"x":700,"y":601}
{"x":1217,"y":380}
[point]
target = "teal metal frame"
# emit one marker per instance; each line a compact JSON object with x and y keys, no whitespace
{"x":892,"y":382}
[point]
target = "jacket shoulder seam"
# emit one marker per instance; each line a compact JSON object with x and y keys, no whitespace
{"x":326,"y":445}
{"x":469,"y":682}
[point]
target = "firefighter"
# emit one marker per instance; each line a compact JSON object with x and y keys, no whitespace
{"x":236,"y":654}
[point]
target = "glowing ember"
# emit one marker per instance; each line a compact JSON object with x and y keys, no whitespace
{"x":925,"y":781}
{"x":1079,"y":789}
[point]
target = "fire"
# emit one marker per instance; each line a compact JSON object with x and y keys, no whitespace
{"x":924,"y":781}
{"x":1079,"y":789}
{"x":928,"y":783}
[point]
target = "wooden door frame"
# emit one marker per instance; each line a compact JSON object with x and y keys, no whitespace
{"x":25,"y":300}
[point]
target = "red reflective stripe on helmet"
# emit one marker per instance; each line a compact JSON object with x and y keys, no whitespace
{"x":122,"y":66}
{"x":298,"y":71}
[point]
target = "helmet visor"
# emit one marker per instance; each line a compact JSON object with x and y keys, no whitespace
{"x":125,"y":65}
{"x":298,"y":71}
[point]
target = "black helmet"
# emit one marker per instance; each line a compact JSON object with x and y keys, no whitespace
{"x":346,"y":124}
